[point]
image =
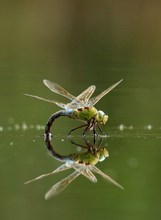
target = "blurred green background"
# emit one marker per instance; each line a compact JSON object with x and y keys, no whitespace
{"x":76,"y":44}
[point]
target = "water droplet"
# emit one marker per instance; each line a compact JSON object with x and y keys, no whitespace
{"x":24,"y":126}
{"x":17,"y":127}
{"x":148,"y":127}
{"x":121,"y":127}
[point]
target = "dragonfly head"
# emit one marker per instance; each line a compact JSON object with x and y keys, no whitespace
{"x":101,"y":117}
{"x":103,"y":153}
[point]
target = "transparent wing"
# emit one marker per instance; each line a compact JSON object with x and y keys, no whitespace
{"x":89,"y":175}
{"x":77,"y":102}
{"x":86,"y":94}
{"x":95,"y":99}
{"x":61,"y":185}
{"x":62,"y":105}
{"x":54,"y":87}
{"x":96,"y":170}
{"x":59,"y":169}
{"x":83,"y":97}
{"x":85,"y":171}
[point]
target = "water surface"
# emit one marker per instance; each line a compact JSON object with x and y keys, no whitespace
{"x":77,"y":46}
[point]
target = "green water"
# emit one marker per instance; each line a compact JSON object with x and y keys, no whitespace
{"x":77,"y":45}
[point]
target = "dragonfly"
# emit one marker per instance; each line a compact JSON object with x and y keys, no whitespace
{"x":80,"y":108}
{"x":83,"y":164}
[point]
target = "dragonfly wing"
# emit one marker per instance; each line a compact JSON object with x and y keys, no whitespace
{"x":54,"y":87}
{"x":63,"y":167}
{"x":96,"y":170}
{"x":62,"y":105}
{"x":59,"y":169}
{"x":89,"y":175}
{"x":85,"y":171}
{"x":95,"y":99}
{"x":86,"y":94}
{"x":61,"y":185}
{"x":39,"y":177}
{"x":83,"y":97}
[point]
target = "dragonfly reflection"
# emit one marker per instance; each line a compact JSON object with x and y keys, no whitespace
{"x":80,"y":108}
{"x":83,"y":163}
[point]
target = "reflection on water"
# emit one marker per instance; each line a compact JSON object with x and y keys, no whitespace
{"x":80,"y":44}
{"x":24,"y":126}
{"x":82,"y":162}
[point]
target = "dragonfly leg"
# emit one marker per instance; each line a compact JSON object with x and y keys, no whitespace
{"x":101,"y":130}
{"x":95,"y":133}
{"x":100,"y":143}
{"x":88,"y":145}
{"x":77,"y":128}
{"x":79,"y":145}
{"x":89,"y":126}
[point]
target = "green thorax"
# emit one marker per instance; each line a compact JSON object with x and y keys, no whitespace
{"x":88,"y":158}
{"x":84,"y":114}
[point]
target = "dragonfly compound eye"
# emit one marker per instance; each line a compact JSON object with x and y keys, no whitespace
{"x":103,"y":153}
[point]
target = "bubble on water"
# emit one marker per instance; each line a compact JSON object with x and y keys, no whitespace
{"x":1,"y":128}
{"x":43,"y":127}
{"x":24,"y":126}
{"x":121,"y":127}
{"x":62,"y":139}
{"x":39,"y":127}
{"x":17,"y":127}
{"x":11,"y":143}
{"x":130,"y":127}
{"x":148,"y":127}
